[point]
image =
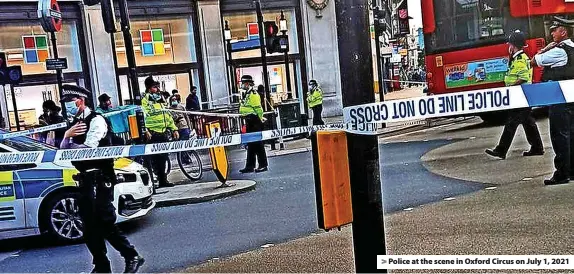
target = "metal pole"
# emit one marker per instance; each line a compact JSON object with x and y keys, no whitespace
{"x":288,"y":73}
{"x":355,"y":57}
{"x":132,"y":67}
{"x":15,"y":106}
{"x":263,"y":51}
{"x":116,"y":68}
{"x":59,"y":75}
{"x":378,"y":54}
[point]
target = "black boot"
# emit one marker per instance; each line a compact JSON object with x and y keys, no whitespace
{"x":495,"y":153}
{"x":102,"y":268}
{"x":134,"y":264}
{"x":533,"y":152}
{"x":247,"y":170}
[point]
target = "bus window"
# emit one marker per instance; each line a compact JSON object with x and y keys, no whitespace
{"x":462,"y":24}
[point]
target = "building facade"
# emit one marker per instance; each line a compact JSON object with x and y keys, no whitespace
{"x":181,"y":43}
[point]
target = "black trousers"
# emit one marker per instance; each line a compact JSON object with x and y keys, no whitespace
{"x":99,"y":216}
{"x":158,"y":161}
{"x":520,"y":117}
{"x":256,"y":150}
{"x":317,"y":112}
{"x":562,"y":137}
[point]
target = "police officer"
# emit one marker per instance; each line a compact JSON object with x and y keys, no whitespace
{"x":96,"y":183}
{"x":315,"y":100}
{"x":519,"y":72}
{"x":558,"y":62}
{"x":251,"y":107}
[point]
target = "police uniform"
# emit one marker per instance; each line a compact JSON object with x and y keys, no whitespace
{"x":159,"y":123}
{"x":558,"y":64}
{"x":519,"y":69}
{"x":315,"y":100}
{"x":96,"y":184}
{"x":251,"y":107}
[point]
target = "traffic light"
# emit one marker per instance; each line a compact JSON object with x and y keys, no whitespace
{"x":109,"y":16}
{"x":9,"y":75}
{"x":108,"y":13}
{"x":271,"y":30}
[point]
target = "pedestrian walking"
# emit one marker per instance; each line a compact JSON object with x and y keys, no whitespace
{"x":105,"y":103}
{"x":557,"y":59}
{"x":96,"y":183}
{"x":315,"y":100}
{"x":160,"y":125}
{"x":519,"y":72}
{"x":251,"y":107}
{"x":52,"y":116}
{"x":180,"y":119}
{"x":192,"y":101}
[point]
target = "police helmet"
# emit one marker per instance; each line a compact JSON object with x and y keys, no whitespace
{"x":518,"y":39}
{"x":247,"y":79}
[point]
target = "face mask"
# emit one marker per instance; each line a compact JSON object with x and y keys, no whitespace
{"x":71,"y":108}
{"x":155,"y":96}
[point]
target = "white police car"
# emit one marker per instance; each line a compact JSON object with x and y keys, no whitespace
{"x":43,"y":198}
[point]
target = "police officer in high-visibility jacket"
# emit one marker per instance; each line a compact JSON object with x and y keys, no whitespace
{"x":558,"y":62}
{"x":251,"y":107}
{"x":519,"y":72}
{"x":159,"y":124}
{"x":96,"y":182}
{"x":315,"y":100}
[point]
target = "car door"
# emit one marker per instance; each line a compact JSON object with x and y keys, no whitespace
{"x":12,"y":202}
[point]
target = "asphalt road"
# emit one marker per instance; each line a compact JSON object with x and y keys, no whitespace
{"x":281,"y":208}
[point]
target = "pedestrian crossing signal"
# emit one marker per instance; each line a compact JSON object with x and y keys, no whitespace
{"x":271,"y":30}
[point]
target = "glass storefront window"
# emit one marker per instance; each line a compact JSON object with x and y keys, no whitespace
{"x":159,"y":41}
{"x":277,"y":79}
{"x":245,"y":33}
{"x":27,"y":45}
{"x":168,"y":82}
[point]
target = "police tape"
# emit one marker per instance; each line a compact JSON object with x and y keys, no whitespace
{"x":82,"y":154}
{"x":10,"y":135}
{"x":460,"y":103}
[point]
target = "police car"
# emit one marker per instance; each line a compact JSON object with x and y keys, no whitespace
{"x":43,"y":198}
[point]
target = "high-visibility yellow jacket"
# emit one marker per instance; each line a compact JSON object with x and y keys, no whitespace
{"x":156,"y":118}
{"x":251,"y":104}
{"x":519,"y":69}
{"x":315,"y":97}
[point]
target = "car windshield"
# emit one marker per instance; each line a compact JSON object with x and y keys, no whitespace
{"x":25,"y":144}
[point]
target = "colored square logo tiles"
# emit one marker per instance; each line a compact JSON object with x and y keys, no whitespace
{"x":35,"y":49}
{"x":152,"y":42}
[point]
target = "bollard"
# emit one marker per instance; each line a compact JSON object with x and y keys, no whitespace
{"x":332,"y":179}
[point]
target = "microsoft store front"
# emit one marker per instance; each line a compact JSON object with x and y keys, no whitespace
{"x":165,"y":48}
{"x":245,"y":54}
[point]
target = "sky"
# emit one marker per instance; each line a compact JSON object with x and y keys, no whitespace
{"x":414,"y":7}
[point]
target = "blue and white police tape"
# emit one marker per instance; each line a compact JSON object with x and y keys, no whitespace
{"x":56,"y":126}
{"x":67,"y":155}
{"x":460,"y":103}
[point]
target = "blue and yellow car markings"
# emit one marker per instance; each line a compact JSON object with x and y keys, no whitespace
{"x":7,"y":187}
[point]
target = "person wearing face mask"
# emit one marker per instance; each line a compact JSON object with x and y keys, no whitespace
{"x":51,"y":116}
{"x":315,"y":101}
{"x":519,"y":72}
{"x":96,"y":183}
{"x":251,"y":108}
{"x":180,"y":119}
{"x":159,"y":125}
{"x":557,"y":59}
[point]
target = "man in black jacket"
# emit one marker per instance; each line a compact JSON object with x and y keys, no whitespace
{"x":96,"y":183}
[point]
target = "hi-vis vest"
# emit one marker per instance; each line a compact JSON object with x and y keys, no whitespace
{"x":519,"y":69}
{"x":156,"y":118}
{"x":251,"y":104}
{"x":315,"y":97}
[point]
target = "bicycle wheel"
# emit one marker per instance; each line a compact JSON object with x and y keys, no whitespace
{"x":168,"y":166}
{"x":190,"y":164}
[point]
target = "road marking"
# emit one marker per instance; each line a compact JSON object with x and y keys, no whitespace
{"x":527,"y":179}
{"x":449,"y":199}
{"x":491,"y":188}
{"x":267,"y":245}
{"x":408,"y":209}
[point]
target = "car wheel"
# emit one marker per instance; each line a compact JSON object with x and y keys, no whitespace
{"x":61,"y":217}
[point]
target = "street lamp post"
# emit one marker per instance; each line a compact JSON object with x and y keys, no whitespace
{"x":263,"y":51}
{"x":283,"y":29}
{"x":227,"y":34}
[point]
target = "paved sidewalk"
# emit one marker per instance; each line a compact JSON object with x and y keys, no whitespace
{"x":519,"y":216}
{"x":200,"y":192}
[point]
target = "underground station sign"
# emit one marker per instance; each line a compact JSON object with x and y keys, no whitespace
{"x":50,"y":15}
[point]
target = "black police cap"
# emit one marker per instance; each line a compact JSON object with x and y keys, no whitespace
{"x":72,"y":91}
{"x":561,"y":22}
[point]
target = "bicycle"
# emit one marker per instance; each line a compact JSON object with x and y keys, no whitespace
{"x":189,"y":163}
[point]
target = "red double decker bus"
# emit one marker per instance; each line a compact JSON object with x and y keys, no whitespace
{"x":465,"y":40}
